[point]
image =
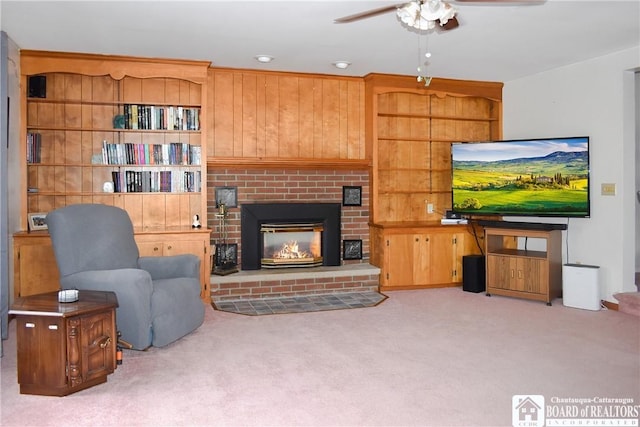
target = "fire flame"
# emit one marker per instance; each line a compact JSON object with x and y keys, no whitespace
{"x":290,"y":250}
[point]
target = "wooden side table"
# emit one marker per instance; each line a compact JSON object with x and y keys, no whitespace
{"x":65,"y":347}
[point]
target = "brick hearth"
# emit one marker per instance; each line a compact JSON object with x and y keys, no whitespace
{"x":295,"y":282}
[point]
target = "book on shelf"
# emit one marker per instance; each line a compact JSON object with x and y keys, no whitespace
{"x":34,"y":147}
{"x":155,"y":117}
{"x":173,"y":153}
{"x":148,"y":181}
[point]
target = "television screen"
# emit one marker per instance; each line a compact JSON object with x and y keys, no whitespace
{"x":533,"y":177}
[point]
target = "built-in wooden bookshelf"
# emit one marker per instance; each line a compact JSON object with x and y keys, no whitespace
{"x":120,"y":131}
{"x":79,"y":149}
{"x":409,"y":131}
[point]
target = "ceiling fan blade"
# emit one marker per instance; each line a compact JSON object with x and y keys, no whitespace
{"x":503,"y":2}
{"x":367,"y":14}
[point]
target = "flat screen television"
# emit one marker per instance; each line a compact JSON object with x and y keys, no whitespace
{"x":529,"y":177}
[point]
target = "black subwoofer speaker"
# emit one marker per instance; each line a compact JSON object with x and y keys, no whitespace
{"x":37,"y":86}
{"x":473,"y":273}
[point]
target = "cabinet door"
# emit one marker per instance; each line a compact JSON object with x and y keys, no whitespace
{"x":534,"y":274}
{"x":500,"y":272}
{"x":399,"y":259}
{"x":41,"y":352}
{"x":36,"y":270}
{"x":97,"y":345}
{"x":421,"y":259}
{"x":442,"y":258}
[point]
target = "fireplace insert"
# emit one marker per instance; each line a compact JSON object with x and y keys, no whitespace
{"x":275,"y":235}
{"x":291,"y":245}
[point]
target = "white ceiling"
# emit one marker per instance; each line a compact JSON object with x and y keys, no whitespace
{"x":495,"y":42}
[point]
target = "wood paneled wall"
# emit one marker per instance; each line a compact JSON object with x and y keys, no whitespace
{"x":285,"y":116}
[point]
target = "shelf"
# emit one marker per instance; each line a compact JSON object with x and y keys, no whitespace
{"x":84,"y":129}
{"x":436,"y":170}
{"x":102,"y":165}
{"x":435,"y":116}
{"x":429,"y":139}
{"x":383,"y":192}
{"x":102,"y":193}
{"x":519,"y":253}
{"x":105,"y":103}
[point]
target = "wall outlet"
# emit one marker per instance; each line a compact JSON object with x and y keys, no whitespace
{"x":608,"y":189}
{"x":430,"y":208}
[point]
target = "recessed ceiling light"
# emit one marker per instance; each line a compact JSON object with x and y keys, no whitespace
{"x":341,"y":64}
{"x":264,"y":58}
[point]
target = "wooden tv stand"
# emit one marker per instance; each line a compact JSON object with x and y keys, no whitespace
{"x":518,"y":272}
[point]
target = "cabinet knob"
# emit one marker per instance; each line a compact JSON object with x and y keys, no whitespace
{"x":169,"y":247}
{"x":29,"y":325}
{"x":155,"y":249}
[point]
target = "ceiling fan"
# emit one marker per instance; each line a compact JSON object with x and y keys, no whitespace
{"x":424,"y":14}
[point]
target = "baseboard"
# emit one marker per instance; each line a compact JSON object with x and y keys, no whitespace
{"x":610,"y":305}
{"x":415,"y":287}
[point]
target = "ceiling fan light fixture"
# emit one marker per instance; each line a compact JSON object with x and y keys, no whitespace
{"x":341,"y":64}
{"x":265,"y":59}
{"x":424,"y":14}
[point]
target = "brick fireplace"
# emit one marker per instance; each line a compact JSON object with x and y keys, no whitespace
{"x":255,"y":215}
{"x":297,"y":186}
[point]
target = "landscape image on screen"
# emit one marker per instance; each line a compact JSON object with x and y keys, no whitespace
{"x":542,"y":177}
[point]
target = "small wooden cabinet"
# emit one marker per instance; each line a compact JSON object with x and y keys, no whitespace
{"x":34,"y":264}
{"x":65,"y":347}
{"x":516,"y":271}
{"x":36,"y":270}
{"x":420,"y":256}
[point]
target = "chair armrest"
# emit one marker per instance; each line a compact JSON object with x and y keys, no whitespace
{"x":126,"y":281}
{"x":171,"y":267}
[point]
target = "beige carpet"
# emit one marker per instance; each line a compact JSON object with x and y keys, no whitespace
{"x":426,"y":358}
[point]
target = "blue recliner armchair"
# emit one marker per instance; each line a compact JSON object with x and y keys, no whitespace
{"x":158,"y":297}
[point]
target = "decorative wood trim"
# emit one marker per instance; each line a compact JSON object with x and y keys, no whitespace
{"x":439,"y":86}
{"x":285,"y":74}
{"x":38,"y":62}
{"x":297,"y":163}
